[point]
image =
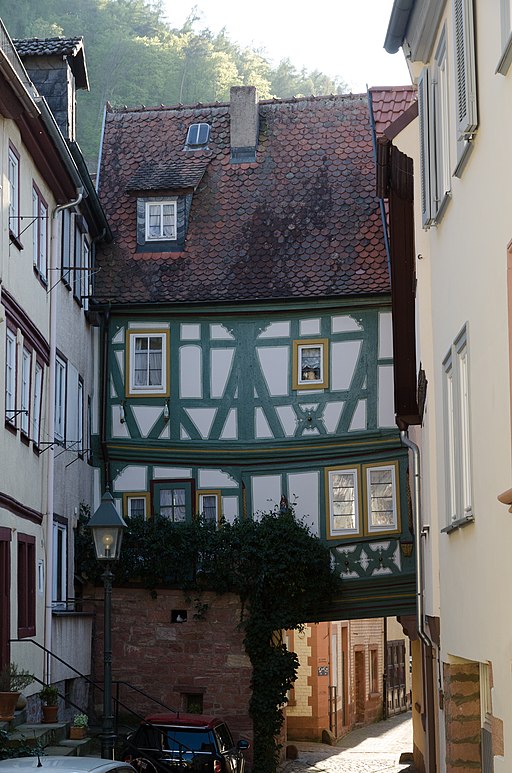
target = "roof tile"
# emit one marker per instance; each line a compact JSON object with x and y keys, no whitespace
{"x":303,"y":221}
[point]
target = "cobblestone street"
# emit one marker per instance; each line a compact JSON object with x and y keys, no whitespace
{"x":373,"y":749}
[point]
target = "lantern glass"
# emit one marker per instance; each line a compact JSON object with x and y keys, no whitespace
{"x":107,"y":542}
{"x":107,"y":528}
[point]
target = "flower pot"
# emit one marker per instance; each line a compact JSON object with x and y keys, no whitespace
{"x":76,"y":733}
{"x":8,"y":701}
{"x":49,"y":714}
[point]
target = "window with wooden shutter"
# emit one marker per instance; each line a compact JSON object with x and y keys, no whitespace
{"x":423,"y":117}
{"x":465,"y":72}
{"x":441,"y":134}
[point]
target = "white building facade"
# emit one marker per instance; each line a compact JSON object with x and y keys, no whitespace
{"x":459,"y":56}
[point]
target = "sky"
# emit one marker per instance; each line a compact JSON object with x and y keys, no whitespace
{"x":343,"y":38}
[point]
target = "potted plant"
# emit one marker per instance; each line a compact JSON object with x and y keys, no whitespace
{"x":12,"y":681}
{"x":49,"y":696}
{"x":79,"y":727}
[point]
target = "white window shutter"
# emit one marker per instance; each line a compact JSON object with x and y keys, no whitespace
{"x":72,"y":408}
{"x":424,"y":122}
{"x":465,"y":69}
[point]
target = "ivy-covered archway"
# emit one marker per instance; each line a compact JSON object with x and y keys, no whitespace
{"x":279,"y":570}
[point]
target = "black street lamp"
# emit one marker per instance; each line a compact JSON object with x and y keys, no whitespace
{"x":107,"y":530}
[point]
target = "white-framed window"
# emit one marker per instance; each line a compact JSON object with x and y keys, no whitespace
{"x":59,"y":590}
{"x":310,"y":369}
{"x":160,"y":220}
{"x":209,"y":505}
{"x":381,"y":498}
{"x":86,"y":273}
{"x":37,"y":403}
{"x":67,"y":247}
{"x":78,"y":251}
{"x":433,"y":107}
{"x":10,"y":377}
{"x":136,"y":505}
{"x":148,"y":364}
{"x":80,"y":418}
{"x":26,"y":368}
{"x":13,"y":174}
{"x":344,"y":501}
{"x":60,"y":399}
{"x":506,"y":37}
{"x":459,"y":497}
{"x":39,"y":233}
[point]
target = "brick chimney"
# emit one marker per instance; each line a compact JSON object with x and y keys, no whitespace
{"x":244,"y":124}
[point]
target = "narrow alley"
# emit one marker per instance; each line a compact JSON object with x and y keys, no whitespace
{"x":377,"y":748}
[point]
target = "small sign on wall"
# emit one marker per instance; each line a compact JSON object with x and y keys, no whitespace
{"x":323,"y":671}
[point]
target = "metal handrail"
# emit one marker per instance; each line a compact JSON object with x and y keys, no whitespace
{"x":117,"y":701}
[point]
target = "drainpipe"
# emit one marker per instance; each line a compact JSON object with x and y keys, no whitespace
{"x":51,"y":429}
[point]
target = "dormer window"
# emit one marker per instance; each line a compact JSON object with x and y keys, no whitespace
{"x":198,"y":136}
{"x":160,"y":220}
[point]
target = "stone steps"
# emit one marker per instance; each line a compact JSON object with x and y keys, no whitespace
{"x":51,"y":738}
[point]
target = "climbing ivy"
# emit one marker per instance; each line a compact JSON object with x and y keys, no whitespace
{"x":280,"y":571}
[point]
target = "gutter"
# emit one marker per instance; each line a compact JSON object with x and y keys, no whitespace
{"x":50,"y":488}
{"x":398,"y":22}
{"x":416,"y":499}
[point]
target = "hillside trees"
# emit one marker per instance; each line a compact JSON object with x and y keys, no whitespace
{"x":135,"y":57}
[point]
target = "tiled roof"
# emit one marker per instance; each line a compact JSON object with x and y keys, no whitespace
{"x":389,"y":103}
{"x":165,"y":175}
{"x":48,"y":46}
{"x":301,"y":222}
{"x":72,"y":48}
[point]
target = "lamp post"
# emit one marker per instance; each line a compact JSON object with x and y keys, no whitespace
{"x":107,"y":530}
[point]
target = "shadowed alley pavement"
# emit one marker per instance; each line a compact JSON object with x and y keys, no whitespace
{"x":373,"y":749}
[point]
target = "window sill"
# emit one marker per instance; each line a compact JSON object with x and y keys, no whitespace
{"x":15,"y":240}
{"x":506,"y":58}
{"x":11,"y":427}
{"x":464,"y":155}
{"x":24,"y":438}
{"x":41,"y":278}
{"x":458,"y":524}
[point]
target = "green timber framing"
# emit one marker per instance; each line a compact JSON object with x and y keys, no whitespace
{"x":229,"y":425}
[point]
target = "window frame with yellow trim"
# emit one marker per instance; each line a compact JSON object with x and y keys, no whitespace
{"x":127,"y":498}
{"x":322,"y":382}
{"x":200,"y":507}
{"x":364,"y":503}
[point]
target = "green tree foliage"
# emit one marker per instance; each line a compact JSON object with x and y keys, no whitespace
{"x":135,"y":57}
{"x":280,"y":571}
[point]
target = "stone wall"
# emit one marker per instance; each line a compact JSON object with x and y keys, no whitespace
{"x":171,"y":660}
{"x":462,"y":716}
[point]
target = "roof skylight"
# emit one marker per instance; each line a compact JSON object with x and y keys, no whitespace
{"x":198,"y":135}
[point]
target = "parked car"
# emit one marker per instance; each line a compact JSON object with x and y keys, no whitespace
{"x":65,"y":765}
{"x":168,"y":742}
